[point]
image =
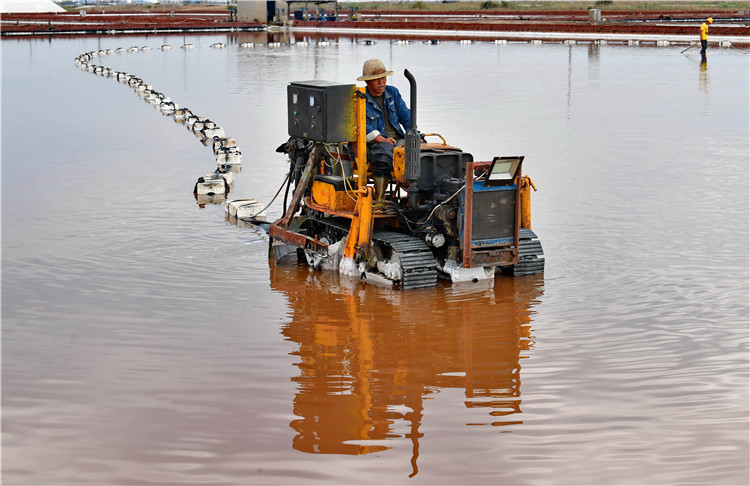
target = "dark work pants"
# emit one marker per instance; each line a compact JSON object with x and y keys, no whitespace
{"x":704,"y":45}
{"x":380,"y":158}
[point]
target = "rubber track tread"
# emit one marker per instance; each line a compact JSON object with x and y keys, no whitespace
{"x":530,"y":254}
{"x":417,"y":262}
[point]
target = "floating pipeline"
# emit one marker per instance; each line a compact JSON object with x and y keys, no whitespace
{"x":211,"y":188}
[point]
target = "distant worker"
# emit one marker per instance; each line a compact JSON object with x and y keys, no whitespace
{"x":704,"y":34}
{"x":383,"y":132}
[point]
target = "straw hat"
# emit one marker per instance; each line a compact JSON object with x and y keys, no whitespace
{"x":373,"y":69}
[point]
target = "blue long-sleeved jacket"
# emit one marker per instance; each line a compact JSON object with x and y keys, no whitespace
{"x":398,"y":113}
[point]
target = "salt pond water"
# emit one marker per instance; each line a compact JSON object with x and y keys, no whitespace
{"x":146,"y":340}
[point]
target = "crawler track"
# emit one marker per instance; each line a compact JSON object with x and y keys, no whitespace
{"x":531,"y":255}
{"x":417,"y":262}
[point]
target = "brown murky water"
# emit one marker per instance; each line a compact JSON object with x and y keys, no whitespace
{"x":145,"y":340}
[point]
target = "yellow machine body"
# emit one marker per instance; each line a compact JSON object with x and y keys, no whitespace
{"x":399,"y":164}
{"x":336,"y":198}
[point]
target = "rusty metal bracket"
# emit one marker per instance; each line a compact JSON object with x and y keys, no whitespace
{"x":295,"y":239}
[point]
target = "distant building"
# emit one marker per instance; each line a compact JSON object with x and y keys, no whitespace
{"x":261,"y":10}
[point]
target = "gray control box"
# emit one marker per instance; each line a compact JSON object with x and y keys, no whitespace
{"x":322,"y":111}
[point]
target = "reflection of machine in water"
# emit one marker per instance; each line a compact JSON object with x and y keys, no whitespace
{"x":368,"y":356}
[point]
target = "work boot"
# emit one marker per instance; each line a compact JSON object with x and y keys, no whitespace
{"x":380,"y":184}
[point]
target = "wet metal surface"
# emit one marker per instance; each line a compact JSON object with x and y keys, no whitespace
{"x":146,"y":340}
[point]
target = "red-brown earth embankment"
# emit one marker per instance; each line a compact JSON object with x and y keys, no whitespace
{"x":99,"y":23}
{"x":727,"y":23}
{"x":730,"y":23}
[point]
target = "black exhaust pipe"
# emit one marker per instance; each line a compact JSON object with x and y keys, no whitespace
{"x":411,"y":139}
{"x":411,"y":151}
{"x":413,"y":100}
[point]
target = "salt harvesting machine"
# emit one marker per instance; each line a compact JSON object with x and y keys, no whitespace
{"x":443,"y":213}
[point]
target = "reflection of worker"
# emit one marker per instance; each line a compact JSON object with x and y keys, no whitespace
{"x":704,"y":34}
{"x":383,"y":132}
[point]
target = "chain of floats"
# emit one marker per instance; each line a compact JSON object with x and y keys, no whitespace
{"x":212,"y":187}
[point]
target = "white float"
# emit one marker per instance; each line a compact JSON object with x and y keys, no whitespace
{"x":228,"y":156}
{"x":245,"y":209}
{"x":213,"y":185}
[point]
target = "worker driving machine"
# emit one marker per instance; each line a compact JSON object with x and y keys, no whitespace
{"x":443,"y":214}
